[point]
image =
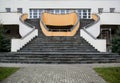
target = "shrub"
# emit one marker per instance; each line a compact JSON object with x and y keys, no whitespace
{"x":116,"y":43}
{"x":4,"y":41}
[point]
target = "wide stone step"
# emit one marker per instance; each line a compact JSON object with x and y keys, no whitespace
{"x":59,"y":61}
{"x":56,"y":59}
{"x":58,"y":54}
{"x":59,"y":58}
{"x":59,"y":46}
{"x":85,"y":53}
{"x":56,"y":43}
{"x":58,"y":51}
{"x":46,"y":39}
{"x":60,"y":43}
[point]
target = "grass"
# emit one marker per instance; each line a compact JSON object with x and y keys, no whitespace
{"x":110,"y":74}
{"x":6,"y":71}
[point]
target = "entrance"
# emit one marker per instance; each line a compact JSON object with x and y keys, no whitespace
{"x":108,"y":32}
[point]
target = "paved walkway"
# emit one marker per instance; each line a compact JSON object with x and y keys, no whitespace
{"x":55,"y":73}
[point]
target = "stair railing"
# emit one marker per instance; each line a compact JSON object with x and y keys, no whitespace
{"x":43,"y":22}
{"x":95,"y":21}
{"x":17,"y":44}
{"x":99,"y":44}
{"x":88,"y":33}
{"x":91,"y":24}
{"x":27,"y":24}
{"x":78,"y":18}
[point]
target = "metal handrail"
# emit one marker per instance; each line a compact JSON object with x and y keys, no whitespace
{"x":89,"y":33}
{"x":28,"y":34}
{"x":91,"y":24}
{"x":27,"y":24}
{"x":76,"y":22}
{"x":44,"y":24}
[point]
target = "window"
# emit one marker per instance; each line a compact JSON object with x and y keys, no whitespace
{"x":89,"y":13}
{"x":79,"y":12}
{"x":67,"y":11}
{"x":34,"y":16}
{"x":89,"y":10}
{"x":35,"y":10}
{"x":57,"y":11}
{"x":51,"y":11}
{"x":62,"y":11}
{"x":100,"y":10}
{"x":19,"y":10}
{"x":112,"y":10}
{"x":31,"y":13}
{"x":76,"y":11}
{"x":85,"y":13}
{"x":8,"y":10}
{"x":40,"y":12}
{"x":36,"y":13}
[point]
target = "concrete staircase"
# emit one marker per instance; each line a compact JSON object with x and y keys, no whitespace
{"x":84,"y":22}
{"x":58,"y":57}
{"x":58,"y":50}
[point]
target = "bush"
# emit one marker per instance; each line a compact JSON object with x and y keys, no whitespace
{"x":116,"y":43}
{"x":4,"y":41}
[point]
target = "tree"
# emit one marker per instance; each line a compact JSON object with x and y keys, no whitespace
{"x":4,"y":41}
{"x":116,"y":42}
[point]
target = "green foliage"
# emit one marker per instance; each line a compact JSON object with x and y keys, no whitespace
{"x":116,"y":43}
{"x":111,"y":74}
{"x":4,"y":41}
{"x":6,"y":71}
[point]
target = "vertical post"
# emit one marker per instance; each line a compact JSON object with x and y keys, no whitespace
{"x":110,"y":40}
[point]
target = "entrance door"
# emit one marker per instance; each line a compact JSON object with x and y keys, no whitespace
{"x":106,"y":34}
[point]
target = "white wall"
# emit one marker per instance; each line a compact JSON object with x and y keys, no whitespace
{"x":93,"y":4}
{"x":13,"y":18}
{"x":9,"y":18}
{"x":110,"y":18}
{"x":99,"y":44}
{"x":94,"y":30}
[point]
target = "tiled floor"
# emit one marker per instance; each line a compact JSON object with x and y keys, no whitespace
{"x":55,"y":73}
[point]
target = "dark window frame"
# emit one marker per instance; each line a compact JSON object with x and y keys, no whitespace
{"x":112,"y":10}
{"x":8,"y":9}
{"x":20,"y":10}
{"x":100,"y":10}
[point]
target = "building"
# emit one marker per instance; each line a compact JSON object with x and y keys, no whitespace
{"x":105,"y":13}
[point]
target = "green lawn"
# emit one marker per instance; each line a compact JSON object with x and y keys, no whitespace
{"x":6,"y":71}
{"x":111,"y":74}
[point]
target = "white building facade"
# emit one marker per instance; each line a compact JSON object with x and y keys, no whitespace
{"x":83,"y":7}
{"x":107,"y":10}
